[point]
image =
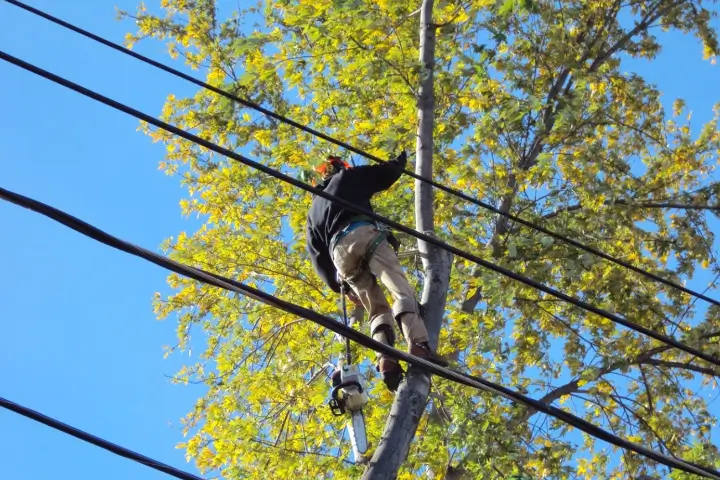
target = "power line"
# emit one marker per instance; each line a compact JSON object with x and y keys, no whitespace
{"x":97,"y":441}
{"x":346,"y":331}
{"x":351,"y":206}
{"x":367,"y":155}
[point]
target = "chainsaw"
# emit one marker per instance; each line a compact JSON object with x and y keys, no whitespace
{"x":349,"y":395}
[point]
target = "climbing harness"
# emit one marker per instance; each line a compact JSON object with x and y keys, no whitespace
{"x":349,"y":393}
{"x":352,"y":224}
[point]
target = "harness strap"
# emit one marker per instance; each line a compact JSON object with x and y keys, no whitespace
{"x":369,"y":252}
{"x":372,"y":246}
{"x":383,"y":234}
{"x":345,"y":228}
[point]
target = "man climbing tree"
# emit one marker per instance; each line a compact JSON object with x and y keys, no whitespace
{"x":342,"y":242}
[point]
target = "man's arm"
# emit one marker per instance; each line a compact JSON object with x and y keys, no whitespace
{"x":376,"y":178}
{"x":321,"y":261}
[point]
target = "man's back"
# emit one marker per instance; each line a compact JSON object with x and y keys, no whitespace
{"x":356,"y":185}
{"x":326,"y":218}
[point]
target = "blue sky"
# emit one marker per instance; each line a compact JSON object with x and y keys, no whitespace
{"x":78,"y":339}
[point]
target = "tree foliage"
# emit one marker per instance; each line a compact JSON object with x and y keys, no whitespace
{"x":534,"y":114}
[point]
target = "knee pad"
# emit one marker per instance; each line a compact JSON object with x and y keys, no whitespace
{"x":404,"y":305}
{"x":382,"y":325}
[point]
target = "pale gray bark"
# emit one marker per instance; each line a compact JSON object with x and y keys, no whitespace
{"x":411,"y":398}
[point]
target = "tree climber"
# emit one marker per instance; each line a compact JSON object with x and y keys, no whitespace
{"x":354,"y":249}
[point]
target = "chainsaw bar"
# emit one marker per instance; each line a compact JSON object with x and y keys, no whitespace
{"x":358,"y":435}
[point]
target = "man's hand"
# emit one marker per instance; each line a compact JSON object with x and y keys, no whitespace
{"x":402,"y":158}
{"x":352,"y":297}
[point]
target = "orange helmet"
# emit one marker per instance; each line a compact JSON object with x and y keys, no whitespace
{"x":331,"y":166}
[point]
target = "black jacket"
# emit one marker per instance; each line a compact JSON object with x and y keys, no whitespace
{"x":325,"y":218}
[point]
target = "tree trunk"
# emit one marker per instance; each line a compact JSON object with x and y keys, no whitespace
{"x":411,"y":398}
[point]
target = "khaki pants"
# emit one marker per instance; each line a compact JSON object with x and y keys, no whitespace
{"x":384,"y":264}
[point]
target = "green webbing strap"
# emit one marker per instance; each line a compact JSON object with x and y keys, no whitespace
{"x":372,"y":246}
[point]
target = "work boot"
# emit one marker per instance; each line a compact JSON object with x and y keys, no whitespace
{"x":423,"y":350}
{"x":390,"y":371}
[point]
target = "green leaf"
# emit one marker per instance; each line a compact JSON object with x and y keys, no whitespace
{"x":547,"y":241}
{"x":507,"y":7}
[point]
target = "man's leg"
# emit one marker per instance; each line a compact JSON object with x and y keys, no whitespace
{"x":373,"y":299}
{"x":386,"y":266}
{"x":347,"y":261}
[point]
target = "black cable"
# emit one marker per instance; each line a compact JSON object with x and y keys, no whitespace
{"x":347,"y":331}
{"x":348,"y":353}
{"x":351,"y":206}
{"x":97,"y":441}
{"x":367,"y":155}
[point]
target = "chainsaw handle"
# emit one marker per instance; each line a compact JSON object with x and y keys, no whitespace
{"x":351,"y":383}
{"x":336,"y":407}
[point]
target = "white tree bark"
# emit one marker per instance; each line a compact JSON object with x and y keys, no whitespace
{"x":411,"y":398}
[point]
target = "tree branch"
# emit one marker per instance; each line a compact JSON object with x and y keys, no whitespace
{"x":387,"y":62}
{"x":549,"y":117}
{"x":682,"y":365}
{"x":625,"y":203}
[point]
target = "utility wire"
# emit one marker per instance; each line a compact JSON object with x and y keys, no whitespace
{"x":97,"y":441}
{"x":351,"y":206}
{"x":360,"y":152}
{"x":348,"y":332}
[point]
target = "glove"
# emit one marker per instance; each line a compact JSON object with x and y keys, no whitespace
{"x":402,"y":159}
